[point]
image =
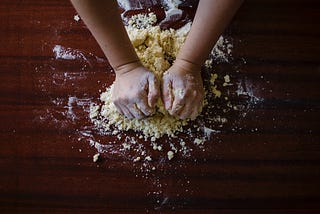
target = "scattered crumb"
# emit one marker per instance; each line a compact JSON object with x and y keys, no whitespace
{"x":198,"y":141}
{"x":148,"y":158}
{"x":213,"y":78}
{"x":170,"y":155}
{"x":208,"y":63}
{"x":96,"y":157}
{"x":215,"y":91}
{"x":76,"y":18}
{"x":226,"y":81}
{"x":143,"y":21}
{"x":226,"y":78}
{"x":137,"y":159}
{"x":126,"y":146}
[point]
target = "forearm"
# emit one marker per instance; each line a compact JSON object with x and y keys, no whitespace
{"x":104,"y":21}
{"x":211,"y":19}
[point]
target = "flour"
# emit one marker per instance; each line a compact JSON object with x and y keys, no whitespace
{"x":221,"y":52}
{"x":95,"y":157}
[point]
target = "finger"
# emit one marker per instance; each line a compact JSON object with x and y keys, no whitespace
{"x":177,"y":107}
{"x":195,"y":112}
{"x":118,"y":108}
{"x":167,"y":95}
{"x":186,"y":111}
{"x":127,"y":113}
{"x":189,"y":106}
{"x":135,"y":111}
{"x":194,"y":106}
{"x":179,"y":99}
{"x":144,"y":107}
{"x":153,"y":91}
{"x":142,"y":104}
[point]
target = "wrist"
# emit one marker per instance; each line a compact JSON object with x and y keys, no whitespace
{"x":127,"y":67}
{"x":187,"y":65}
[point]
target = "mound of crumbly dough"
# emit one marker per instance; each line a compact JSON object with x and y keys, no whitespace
{"x":157,"y":49}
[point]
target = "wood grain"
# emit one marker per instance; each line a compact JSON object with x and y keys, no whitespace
{"x":265,"y":162}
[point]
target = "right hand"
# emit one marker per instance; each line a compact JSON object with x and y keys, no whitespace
{"x":135,"y":91}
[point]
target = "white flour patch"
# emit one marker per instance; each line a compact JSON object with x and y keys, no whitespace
{"x":245,"y":88}
{"x":61,"y":52}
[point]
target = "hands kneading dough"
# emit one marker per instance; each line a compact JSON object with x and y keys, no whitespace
{"x":136,"y":92}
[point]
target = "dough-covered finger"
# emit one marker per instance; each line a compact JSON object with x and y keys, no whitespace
{"x":195,"y":112}
{"x":177,"y":107}
{"x":179,"y":100}
{"x":143,"y":106}
{"x":186,"y":111}
{"x":167,"y":95}
{"x":153,"y":91}
{"x":193,"y":105}
{"x":127,"y":113}
{"x":135,"y":111}
{"x":118,"y":108}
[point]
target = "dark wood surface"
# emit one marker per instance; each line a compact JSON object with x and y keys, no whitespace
{"x":265,"y":162}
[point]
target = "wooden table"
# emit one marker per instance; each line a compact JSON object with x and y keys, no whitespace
{"x":266,"y":161}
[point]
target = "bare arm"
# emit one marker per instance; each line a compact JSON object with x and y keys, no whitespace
{"x":211,"y":19}
{"x":104,"y":21}
{"x":182,"y":87}
{"x":136,"y":89}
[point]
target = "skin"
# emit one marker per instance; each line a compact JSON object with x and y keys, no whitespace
{"x":136,"y":90}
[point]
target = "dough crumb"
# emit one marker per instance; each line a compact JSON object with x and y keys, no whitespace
{"x":226,"y":81}
{"x":214,"y":90}
{"x":96,"y":157}
{"x":170,"y":155}
{"x":226,"y":78}
{"x":198,"y":141}
{"x":76,"y":18}
{"x":148,"y":158}
{"x":137,"y":159}
{"x":142,"y":21}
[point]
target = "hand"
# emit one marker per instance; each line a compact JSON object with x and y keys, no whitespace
{"x":182,"y":90}
{"x":135,"y":91}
